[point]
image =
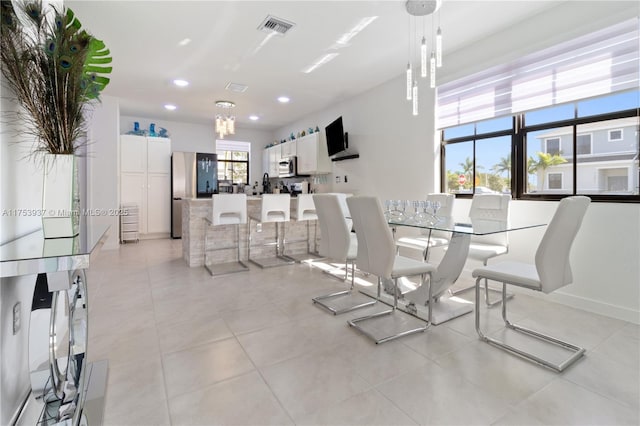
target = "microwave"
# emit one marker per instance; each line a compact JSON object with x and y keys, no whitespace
{"x":288,"y":167}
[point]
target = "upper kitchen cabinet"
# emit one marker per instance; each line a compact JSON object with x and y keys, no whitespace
{"x":288,"y":149}
{"x":133,"y":154}
{"x":270,"y":158}
{"x":312,"y":155}
{"x":145,"y":180}
{"x":159,"y":155}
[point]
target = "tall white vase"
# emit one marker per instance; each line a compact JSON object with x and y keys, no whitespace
{"x":60,"y":196}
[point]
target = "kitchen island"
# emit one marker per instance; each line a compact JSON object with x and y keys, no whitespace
{"x":194,"y":226}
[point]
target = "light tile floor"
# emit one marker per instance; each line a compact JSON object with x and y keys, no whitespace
{"x":251,"y":348}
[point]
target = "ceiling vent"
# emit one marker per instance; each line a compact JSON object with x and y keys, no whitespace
{"x":236,"y":87}
{"x":272,"y":24}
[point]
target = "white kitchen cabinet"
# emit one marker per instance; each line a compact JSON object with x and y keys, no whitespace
{"x":158,"y":203}
{"x":145,"y":179}
{"x":270,"y":158}
{"x":133,"y":154}
{"x":312,"y":155}
{"x":288,"y":149}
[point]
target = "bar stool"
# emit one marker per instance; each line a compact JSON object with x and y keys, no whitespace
{"x":306,"y":211}
{"x":227,"y":209}
{"x":275,"y":208}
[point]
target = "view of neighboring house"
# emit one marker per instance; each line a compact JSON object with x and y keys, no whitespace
{"x":606,"y":158}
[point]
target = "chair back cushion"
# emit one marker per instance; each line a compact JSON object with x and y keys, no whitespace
{"x":305,"y":209}
{"x":445,"y":212}
{"x":342,"y":199}
{"x":228,"y":209}
{"x":335,"y":235}
{"x":552,"y":256}
{"x":376,"y":248}
{"x":275,"y":208}
{"x":494,"y":208}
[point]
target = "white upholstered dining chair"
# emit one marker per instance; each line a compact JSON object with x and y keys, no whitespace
{"x":377,"y":256}
{"x":551,"y":271}
{"x":494,"y":208}
{"x":338,"y":244}
{"x":429,"y":239}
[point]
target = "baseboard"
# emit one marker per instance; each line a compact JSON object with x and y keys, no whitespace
{"x":589,"y":305}
{"x":606,"y":309}
{"x":586,"y":304}
{"x":155,"y":236}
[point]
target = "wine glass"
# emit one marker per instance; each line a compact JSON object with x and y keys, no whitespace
{"x":387,"y":209}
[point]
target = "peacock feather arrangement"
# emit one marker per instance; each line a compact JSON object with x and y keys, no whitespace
{"x":55,"y":70}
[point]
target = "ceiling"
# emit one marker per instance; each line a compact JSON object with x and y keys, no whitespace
{"x":226,"y":46}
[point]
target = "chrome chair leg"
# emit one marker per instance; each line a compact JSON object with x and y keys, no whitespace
{"x":487,"y":289}
{"x":336,"y":310}
{"x":355,"y":323}
{"x":577,"y":352}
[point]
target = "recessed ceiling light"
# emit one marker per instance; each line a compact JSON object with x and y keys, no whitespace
{"x":184,"y":41}
{"x":283,"y":99}
{"x":254,"y":117}
{"x":170,"y":107}
{"x":180,"y":83}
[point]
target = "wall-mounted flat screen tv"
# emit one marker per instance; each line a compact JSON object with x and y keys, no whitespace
{"x":335,"y":137}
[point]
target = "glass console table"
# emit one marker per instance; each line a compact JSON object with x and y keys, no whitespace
{"x":415,"y":298}
{"x":70,"y":389}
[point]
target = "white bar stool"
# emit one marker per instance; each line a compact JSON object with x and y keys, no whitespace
{"x":227,"y":209}
{"x":306,"y":211}
{"x":275,"y":208}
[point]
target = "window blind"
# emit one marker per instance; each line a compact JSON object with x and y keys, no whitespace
{"x":600,"y":63}
{"x":226,"y":145}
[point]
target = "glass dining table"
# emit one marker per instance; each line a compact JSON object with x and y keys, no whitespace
{"x":415,"y":298}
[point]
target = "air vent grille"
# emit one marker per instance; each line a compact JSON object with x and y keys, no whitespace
{"x":236,"y":87}
{"x":273,"y":24}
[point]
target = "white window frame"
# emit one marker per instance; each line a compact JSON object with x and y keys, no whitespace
{"x":590,"y":143}
{"x":617,"y":139}
{"x":546,"y":141}
{"x":549,"y":180}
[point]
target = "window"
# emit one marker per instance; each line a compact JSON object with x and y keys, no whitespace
{"x":233,"y":161}
{"x":552,"y":146}
{"x":555,"y":180}
{"x":583,"y":144}
{"x":479,"y":161}
{"x":562,"y":105}
{"x":615,"y":135}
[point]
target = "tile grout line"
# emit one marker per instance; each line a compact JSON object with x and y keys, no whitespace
{"x":264,"y":380}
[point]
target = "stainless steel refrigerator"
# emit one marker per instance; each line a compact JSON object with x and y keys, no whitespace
{"x":193,"y":175}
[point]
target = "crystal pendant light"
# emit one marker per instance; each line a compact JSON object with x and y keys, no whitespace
{"x":225,"y":122}
{"x":432,"y":63}
{"x":409,"y":81}
{"x":424,"y":8}
{"x":439,"y":48}
{"x":423,"y":58}
{"x":415,"y":98}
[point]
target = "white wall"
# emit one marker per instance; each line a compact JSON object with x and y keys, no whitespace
{"x":192,"y":137}
{"x":102,"y":167}
{"x":397,"y":150}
